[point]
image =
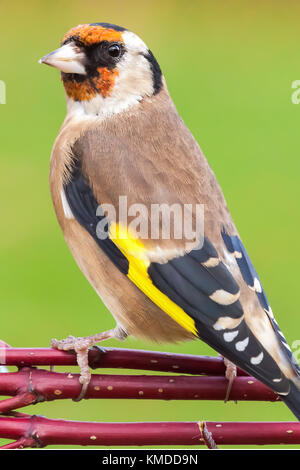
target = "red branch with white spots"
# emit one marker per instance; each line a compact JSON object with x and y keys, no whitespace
{"x":206,"y":381}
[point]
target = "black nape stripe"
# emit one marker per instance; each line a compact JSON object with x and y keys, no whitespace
{"x":156,"y":71}
{"x":109,"y":26}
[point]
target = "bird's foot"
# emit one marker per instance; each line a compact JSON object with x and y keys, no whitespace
{"x":81,"y":347}
{"x":230,"y":375}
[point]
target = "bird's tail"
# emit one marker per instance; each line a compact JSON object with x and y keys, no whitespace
{"x":292,"y":400}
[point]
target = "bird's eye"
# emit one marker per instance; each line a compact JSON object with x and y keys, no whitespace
{"x":114,"y":50}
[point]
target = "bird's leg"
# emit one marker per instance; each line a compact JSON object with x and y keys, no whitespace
{"x":81,"y":346}
{"x":230,"y":375}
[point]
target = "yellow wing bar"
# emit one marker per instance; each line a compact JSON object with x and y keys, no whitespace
{"x":136,"y":253}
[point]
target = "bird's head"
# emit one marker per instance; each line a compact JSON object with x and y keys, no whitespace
{"x":105,"y":68}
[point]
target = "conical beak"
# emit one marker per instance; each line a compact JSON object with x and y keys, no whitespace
{"x":68,"y":59}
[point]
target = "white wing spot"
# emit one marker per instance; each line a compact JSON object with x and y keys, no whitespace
{"x":211,"y":262}
{"x":218,"y":326}
{"x":257,"y":359}
{"x":67,"y":210}
{"x":241,"y":345}
{"x":223,"y":297}
{"x":256,"y":286}
{"x":229,"y":336}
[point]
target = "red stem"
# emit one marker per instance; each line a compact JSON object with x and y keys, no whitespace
{"x":30,"y":385}
{"x":60,"y":432}
{"x":19,"y":443}
{"x":117,"y":358}
{"x":18,"y":401}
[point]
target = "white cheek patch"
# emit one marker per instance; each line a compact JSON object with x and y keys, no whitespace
{"x":67,"y":210}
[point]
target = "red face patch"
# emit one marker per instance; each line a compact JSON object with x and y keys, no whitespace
{"x":90,"y":87}
{"x":89,"y":35}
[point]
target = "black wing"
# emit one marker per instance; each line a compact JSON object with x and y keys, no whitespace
{"x":190,"y":284}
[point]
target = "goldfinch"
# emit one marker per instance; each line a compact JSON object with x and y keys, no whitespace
{"x":123,"y":140}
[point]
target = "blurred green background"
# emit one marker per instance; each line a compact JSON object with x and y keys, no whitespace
{"x":229,"y":68}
